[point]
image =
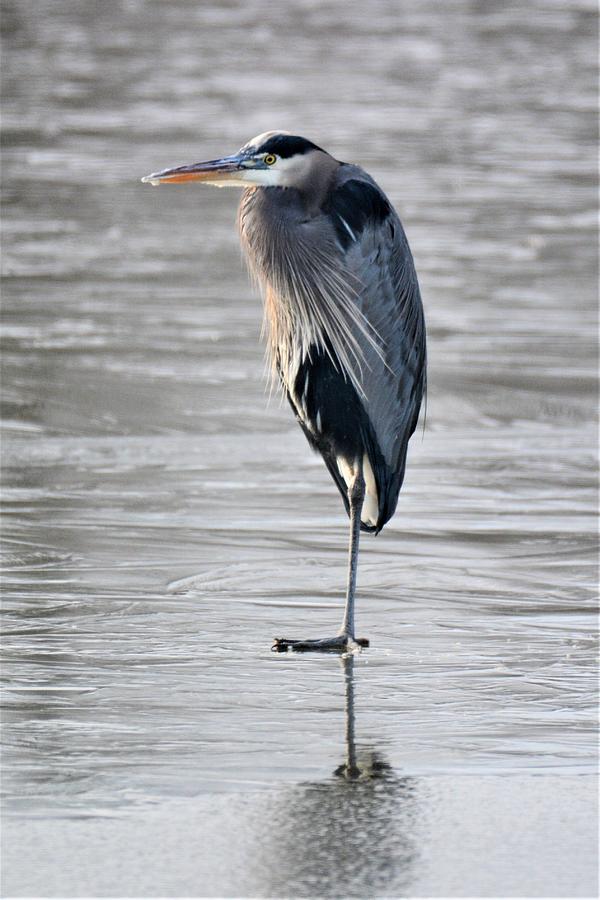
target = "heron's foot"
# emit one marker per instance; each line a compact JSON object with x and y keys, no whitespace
{"x":342,"y":643}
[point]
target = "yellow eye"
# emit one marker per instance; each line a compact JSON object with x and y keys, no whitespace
{"x":270,"y":159}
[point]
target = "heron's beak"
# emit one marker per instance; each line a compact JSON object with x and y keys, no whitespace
{"x":228,"y":170}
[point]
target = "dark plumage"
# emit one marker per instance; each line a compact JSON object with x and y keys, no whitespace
{"x":353,"y":205}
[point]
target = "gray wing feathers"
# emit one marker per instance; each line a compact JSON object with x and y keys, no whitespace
{"x":394,"y":379}
{"x":394,"y":373}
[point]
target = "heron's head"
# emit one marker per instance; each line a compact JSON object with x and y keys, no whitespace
{"x":273,"y":159}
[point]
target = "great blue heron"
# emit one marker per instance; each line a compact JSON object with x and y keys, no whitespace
{"x":344,"y":319}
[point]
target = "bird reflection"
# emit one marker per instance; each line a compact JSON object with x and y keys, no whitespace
{"x":350,"y":835}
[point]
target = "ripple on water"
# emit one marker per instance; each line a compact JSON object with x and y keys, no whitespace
{"x":164,"y":520}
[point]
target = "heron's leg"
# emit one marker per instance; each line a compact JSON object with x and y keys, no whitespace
{"x":345,"y":638}
{"x":356,"y":496}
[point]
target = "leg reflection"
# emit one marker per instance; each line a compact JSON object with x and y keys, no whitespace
{"x":351,"y":835}
{"x":371,"y":764}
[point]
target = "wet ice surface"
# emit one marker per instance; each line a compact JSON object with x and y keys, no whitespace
{"x":163,"y":520}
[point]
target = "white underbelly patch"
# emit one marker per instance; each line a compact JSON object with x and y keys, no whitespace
{"x":370,"y":510}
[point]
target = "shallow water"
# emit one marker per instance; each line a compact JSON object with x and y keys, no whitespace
{"x":163,"y":519}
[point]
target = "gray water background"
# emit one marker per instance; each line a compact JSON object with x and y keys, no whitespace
{"x":163,"y":519}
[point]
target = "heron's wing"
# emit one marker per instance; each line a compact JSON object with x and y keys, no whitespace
{"x":373,"y":249}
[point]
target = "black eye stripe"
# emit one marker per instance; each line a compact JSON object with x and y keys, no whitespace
{"x":286,"y":145}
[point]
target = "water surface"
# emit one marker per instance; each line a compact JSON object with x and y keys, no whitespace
{"x":164,"y":519}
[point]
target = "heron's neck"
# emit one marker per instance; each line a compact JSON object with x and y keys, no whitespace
{"x":316,"y":183}
{"x":303,"y":197}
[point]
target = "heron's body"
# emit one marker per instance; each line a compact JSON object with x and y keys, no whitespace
{"x":343,"y":314}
